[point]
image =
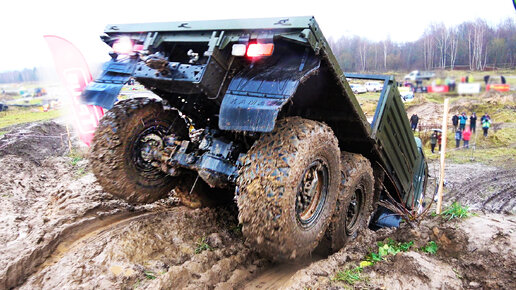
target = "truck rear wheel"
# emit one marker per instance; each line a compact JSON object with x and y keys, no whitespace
{"x":116,"y":157}
{"x":355,"y":202}
{"x":287,"y":188}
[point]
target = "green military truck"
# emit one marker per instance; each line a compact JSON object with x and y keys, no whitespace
{"x":259,"y":108}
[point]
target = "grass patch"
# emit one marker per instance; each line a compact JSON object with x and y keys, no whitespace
{"x":456,"y":210}
{"x":498,"y":146}
{"x":149,"y":275}
{"x":75,"y":156}
{"x":25,"y":115}
{"x":390,"y":247}
{"x":350,"y":276}
{"x":202,"y":246}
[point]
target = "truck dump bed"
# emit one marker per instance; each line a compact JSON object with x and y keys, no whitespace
{"x":191,"y":65}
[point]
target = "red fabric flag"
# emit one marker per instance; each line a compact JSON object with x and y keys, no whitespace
{"x":75,"y":75}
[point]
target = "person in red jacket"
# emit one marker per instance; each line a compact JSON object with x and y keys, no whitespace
{"x":466,"y":136}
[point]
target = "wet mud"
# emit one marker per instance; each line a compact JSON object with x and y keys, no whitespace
{"x":61,"y":230}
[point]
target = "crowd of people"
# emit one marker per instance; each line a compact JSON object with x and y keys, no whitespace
{"x":459,"y":122}
{"x":462,"y":132}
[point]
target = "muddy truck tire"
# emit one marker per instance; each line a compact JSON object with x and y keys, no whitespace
{"x":116,"y":158}
{"x":355,"y":202}
{"x":288,"y":187}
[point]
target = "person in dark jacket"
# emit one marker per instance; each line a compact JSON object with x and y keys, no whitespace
{"x":486,"y":124}
{"x":458,"y":137}
{"x":473,"y":123}
{"x":455,"y":121}
{"x":413,"y":122}
{"x":433,"y":141}
{"x":486,"y":116}
{"x":486,"y":79}
{"x":439,"y":140}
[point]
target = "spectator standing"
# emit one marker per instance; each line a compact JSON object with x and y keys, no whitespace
{"x":439,"y":140}
{"x":433,"y":141}
{"x":458,"y":137}
{"x":413,"y":122}
{"x":486,"y":116}
{"x":486,"y":79}
{"x":462,"y":121}
{"x":455,"y":121}
{"x":503,"y":80}
{"x":466,"y":136}
{"x":486,"y":124}
{"x":451,"y":86}
{"x":473,"y":123}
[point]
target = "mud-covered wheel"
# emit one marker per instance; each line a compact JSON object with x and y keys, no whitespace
{"x":287,"y":188}
{"x":355,"y":202}
{"x":116,"y":152}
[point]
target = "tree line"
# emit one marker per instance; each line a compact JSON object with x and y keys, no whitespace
{"x":25,"y":75}
{"x":472,"y":45}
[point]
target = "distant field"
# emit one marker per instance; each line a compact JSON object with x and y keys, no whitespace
{"x":26,"y":115}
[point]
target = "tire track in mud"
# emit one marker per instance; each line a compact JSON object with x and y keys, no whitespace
{"x":18,"y":272}
{"x":84,"y":232}
{"x":278,"y":276}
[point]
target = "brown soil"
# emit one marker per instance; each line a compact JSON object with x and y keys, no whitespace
{"x":430,"y":114}
{"x":61,"y":230}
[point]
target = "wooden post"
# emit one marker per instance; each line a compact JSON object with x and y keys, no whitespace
{"x":443,"y":152}
{"x":69,"y":139}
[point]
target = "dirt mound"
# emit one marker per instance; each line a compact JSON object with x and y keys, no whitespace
{"x":35,"y":141}
{"x":430,"y":114}
{"x":469,"y":256}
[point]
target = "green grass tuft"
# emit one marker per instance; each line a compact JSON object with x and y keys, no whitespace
{"x":456,"y":210}
{"x":202,"y":246}
{"x":431,"y":247}
{"x":350,"y":276}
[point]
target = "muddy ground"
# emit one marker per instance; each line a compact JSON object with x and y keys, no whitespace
{"x":60,"y":230}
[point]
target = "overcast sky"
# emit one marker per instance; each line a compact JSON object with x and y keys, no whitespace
{"x":24,"y":22}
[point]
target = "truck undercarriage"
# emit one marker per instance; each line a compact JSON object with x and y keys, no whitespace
{"x":257,"y":107}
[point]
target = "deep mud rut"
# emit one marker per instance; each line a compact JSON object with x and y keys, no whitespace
{"x":60,"y":230}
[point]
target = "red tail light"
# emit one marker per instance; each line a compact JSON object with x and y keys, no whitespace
{"x":260,"y":49}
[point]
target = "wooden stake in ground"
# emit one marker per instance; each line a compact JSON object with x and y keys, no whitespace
{"x":443,"y":152}
{"x":69,"y":139}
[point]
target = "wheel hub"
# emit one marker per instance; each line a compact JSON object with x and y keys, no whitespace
{"x":144,"y":147}
{"x":312,"y":193}
{"x":354,"y":209}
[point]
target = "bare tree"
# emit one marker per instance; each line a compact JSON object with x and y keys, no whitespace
{"x":362,"y":50}
{"x":454,"y":43}
{"x":428,"y":50}
{"x":441,"y":36}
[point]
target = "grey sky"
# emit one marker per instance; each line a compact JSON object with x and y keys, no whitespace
{"x":24,"y":22}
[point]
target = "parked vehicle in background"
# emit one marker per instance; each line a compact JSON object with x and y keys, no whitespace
{"x":373,"y":86}
{"x":417,"y":75}
{"x":358,"y":89}
{"x":406,"y":94}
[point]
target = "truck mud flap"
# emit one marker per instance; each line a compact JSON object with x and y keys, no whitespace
{"x":256,"y":95}
{"x":104,"y":90}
